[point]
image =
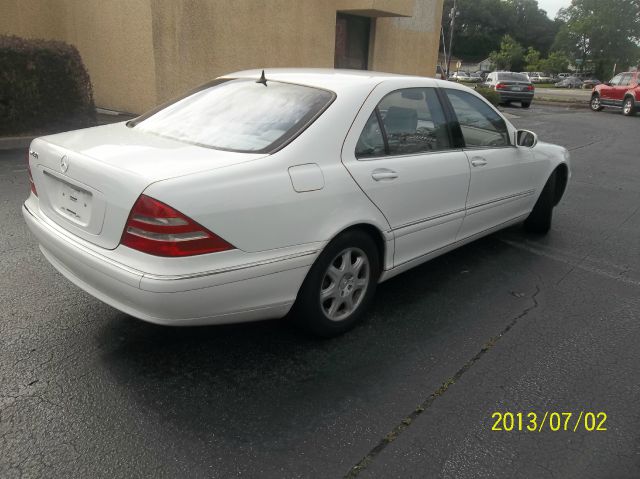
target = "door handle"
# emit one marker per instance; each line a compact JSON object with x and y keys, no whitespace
{"x":382,"y":174}
{"x":478,"y":161}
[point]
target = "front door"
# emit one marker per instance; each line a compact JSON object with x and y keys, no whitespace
{"x":613,"y":93}
{"x":399,"y":152}
{"x":502,"y":175}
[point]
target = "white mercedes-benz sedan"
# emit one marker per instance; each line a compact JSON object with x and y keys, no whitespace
{"x":292,"y":190}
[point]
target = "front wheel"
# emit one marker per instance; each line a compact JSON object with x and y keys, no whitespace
{"x":596,"y":104}
{"x":628,"y":107}
{"x":539,"y":220}
{"x":340,"y":285}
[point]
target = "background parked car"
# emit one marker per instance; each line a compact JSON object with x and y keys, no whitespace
{"x":459,"y":76}
{"x":590,"y":82}
{"x":512,"y":87}
{"x":570,"y":82}
{"x":466,"y":77}
{"x":622,"y":91}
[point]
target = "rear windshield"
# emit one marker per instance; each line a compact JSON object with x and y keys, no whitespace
{"x":239,"y":115}
{"x":512,"y":77}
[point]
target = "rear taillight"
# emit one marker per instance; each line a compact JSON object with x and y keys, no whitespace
{"x":530,"y":87}
{"x":31,"y":183}
{"x":158,"y":229}
{"x":500,"y":86}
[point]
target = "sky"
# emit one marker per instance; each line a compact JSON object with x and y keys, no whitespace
{"x":552,"y":6}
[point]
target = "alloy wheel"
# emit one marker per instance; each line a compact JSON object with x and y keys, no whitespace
{"x":628,"y":106}
{"x":595,"y":103}
{"x":344,"y":284}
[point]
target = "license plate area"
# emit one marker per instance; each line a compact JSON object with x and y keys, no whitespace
{"x":72,"y":202}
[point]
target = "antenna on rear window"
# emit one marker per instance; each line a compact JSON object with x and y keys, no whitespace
{"x":263,"y":79}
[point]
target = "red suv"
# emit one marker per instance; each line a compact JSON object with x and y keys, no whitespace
{"x":623,"y":91}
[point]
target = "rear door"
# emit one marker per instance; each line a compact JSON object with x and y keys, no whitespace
{"x":400,"y":152}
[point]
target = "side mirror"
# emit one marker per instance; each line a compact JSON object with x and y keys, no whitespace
{"x":526,"y":138}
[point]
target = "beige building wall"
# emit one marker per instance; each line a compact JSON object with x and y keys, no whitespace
{"x":140,"y":53}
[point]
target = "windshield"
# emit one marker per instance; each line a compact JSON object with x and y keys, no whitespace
{"x":512,"y":77}
{"x":240,"y":115}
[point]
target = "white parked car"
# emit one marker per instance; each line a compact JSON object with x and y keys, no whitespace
{"x":303,"y":190}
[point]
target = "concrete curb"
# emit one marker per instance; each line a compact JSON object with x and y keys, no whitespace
{"x":21,"y":142}
{"x":567,"y":104}
{"x":15,"y":142}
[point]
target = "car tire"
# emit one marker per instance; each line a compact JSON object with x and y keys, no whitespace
{"x":347,"y":289}
{"x":595,"y":103}
{"x":539,"y":220}
{"x":525,"y":104}
{"x":628,"y":107}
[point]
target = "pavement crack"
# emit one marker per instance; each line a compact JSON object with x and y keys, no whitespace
{"x":406,"y":422}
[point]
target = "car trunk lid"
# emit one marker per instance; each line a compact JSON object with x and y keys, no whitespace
{"x":88,"y":180}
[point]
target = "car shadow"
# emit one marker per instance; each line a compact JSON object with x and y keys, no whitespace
{"x":261,"y":379}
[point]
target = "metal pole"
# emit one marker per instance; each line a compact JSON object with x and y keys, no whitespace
{"x":453,"y":23}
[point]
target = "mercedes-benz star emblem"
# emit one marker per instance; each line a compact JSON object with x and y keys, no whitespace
{"x":64,"y":164}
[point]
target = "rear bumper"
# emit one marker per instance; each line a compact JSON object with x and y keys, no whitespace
{"x":516,"y":96}
{"x":246,"y":293}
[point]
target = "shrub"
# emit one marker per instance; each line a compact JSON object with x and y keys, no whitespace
{"x":44,"y":86}
{"x":491,"y":95}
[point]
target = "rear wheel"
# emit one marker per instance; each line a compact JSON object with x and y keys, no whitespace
{"x":340,"y":285}
{"x":596,"y":104}
{"x":539,"y":220}
{"x":525,"y":104}
{"x":628,"y":107}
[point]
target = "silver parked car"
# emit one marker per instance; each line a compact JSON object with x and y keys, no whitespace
{"x":512,"y":87}
{"x":571,"y":82}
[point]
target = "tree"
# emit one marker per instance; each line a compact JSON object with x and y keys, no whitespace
{"x":556,"y":62}
{"x":481,"y":24}
{"x":532,"y":60}
{"x":604,"y":32}
{"x":510,"y":56}
{"x":531,"y":26}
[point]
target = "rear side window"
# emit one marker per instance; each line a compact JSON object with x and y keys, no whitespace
{"x":481,"y":126}
{"x":240,"y":115}
{"x":405,"y":122}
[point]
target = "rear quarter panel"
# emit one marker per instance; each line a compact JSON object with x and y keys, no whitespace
{"x":254,"y":205}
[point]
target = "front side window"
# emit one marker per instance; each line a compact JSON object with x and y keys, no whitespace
{"x":626,"y":79}
{"x":413,"y":122}
{"x":239,"y":115}
{"x":615,"y":81}
{"x":480,"y":124}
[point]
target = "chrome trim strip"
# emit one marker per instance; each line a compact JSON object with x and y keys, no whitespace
{"x":503,"y":198}
{"x":409,"y":155}
{"x":457,"y":243}
{"x":430,"y":218}
{"x":229,"y":269}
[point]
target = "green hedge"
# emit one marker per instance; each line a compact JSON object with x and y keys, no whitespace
{"x":491,"y":95}
{"x":44,"y":87}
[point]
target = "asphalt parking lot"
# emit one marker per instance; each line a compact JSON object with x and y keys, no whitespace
{"x":510,"y":323}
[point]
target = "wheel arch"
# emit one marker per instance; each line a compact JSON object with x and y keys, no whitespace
{"x":562,"y":179}
{"x":374,"y":233}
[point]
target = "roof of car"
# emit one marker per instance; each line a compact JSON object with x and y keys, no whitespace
{"x":329,"y":78}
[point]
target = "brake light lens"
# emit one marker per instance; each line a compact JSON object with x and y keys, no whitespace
{"x":500,"y":86}
{"x":155,"y":228}
{"x":530,"y":87}
{"x":32,"y":185}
